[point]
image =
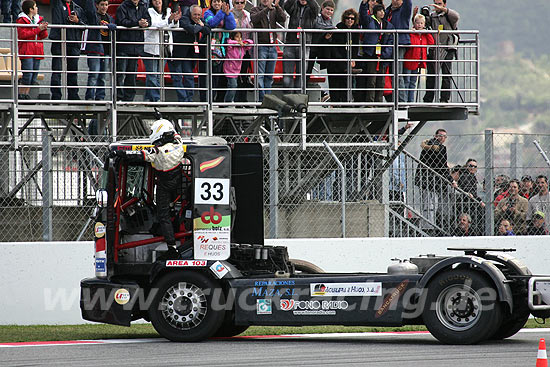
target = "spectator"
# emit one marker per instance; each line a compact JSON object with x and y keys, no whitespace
{"x":399,"y":15}
{"x":432,"y":174}
{"x":30,"y":45}
{"x":398,"y":179}
{"x":463,"y":229}
{"x":501,"y":188}
{"x":341,"y":53}
{"x":302,"y":14}
{"x":131,"y":13}
{"x":468,"y":179}
{"x":526,"y":188}
{"x":242,"y":18}
{"x":377,"y":53}
{"x":218,"y":16}
{"x":451,"y":201}
{"x":98,"y":48}
{"x":441,"y":18}
{"x":513,"y":208}
{"x":66,"y":13}
{"x":541,"y":201}
{"x":365,"y":18}
{"x":161,"y":17}
{"x":189,"y":46}
{"x":10,"y":10}
{"x":536,"y":226}
{"x":235,"y":50}
{"x":266,"y":16}
{"x":319,"y":41}
{"x":416,"y":56}
{"x":505,"y":228}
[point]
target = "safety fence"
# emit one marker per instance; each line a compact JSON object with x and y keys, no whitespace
{"x":334,"y":187}
{"x":332,"y":66}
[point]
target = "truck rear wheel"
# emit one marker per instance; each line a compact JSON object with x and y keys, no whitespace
{"x":187,"y":307}
{"x":461,"y":307}
{"x":510,"y":327}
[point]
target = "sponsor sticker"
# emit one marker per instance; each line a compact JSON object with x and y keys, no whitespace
{"x":185,"y":263}
{"x":122,"y":296}
{"x":100,"y":265}
{"x":263,"y":307}
{"x":219,"y":269}
{"x":210,"y":244}
{"x":99,"y":230}
{"x":346,"y":289}
{"x":391,"y":299}
{"x":312,"y":307}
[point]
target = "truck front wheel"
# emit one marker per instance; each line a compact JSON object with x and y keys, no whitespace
{"x":187,"y":307}
{"x":462,"y":307}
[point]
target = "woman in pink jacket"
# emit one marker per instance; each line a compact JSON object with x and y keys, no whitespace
{"x":234,"y":52}
{"x":416,"y":56}
{"x":31,"y":49}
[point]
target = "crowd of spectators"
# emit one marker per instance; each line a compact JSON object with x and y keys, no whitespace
{"x":450,"y":202}
{"x":358,"y":65}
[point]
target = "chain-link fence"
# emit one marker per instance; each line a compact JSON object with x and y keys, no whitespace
{"x":351,"y":186}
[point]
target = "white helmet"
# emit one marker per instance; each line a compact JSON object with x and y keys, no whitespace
{"x":159,"y":128}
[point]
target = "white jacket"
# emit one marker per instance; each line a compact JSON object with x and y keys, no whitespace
{"x":153,"y":36}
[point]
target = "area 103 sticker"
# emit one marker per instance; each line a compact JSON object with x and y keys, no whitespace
{"x":212,"y":191}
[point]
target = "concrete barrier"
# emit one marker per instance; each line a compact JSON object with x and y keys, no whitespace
{"x":41,"y":280}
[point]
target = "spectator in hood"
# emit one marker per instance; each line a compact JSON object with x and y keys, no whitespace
{"x":536,"y":226}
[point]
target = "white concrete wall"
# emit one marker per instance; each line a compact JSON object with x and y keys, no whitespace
{"x":40,"y":281}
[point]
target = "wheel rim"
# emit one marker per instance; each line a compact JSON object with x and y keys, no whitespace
{"x":184,"y":306}
{"x":458,"y":307}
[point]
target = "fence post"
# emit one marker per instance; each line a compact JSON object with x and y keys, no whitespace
{"x":514,"y":159}
{"x":47,"y":186}
{"x":273,"y":184}
{"x":386,"y":197}
{"x":343,"y":184}
{"x":489,"y":174}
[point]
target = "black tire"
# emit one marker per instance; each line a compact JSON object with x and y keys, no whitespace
{"x":510,"y":327}
{"x":306,"y":267}
{"x":171,"y":314}
{"x":462,"y":307}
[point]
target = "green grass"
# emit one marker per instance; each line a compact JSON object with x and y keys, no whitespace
{"x":16,"y":333}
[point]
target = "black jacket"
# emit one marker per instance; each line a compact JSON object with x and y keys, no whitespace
{"x":340,"y":49}
{"x":60,"y":15}
{"x":128,"y":15}
{"x":95,"y":34}
{"x":433,"y":155}
{"x":468,"y":182}
{"x":183,"y":40}
{"x":300,"y":17}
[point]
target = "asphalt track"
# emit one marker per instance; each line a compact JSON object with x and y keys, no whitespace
{"x":365,"y":349}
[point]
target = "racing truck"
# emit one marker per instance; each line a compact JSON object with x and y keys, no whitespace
{"x":225,"y":278}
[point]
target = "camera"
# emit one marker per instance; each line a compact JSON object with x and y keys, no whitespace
{"x":425,"y":11}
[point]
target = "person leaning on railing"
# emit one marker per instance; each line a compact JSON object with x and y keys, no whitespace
{"x":161,"y":17}
{"x":29,"y":46}
{"x":97,"y":46}
{"x":319,"y":40}
{"x":340,"y":52}
{"x":66,"y":13}
{"x":130,"y":14}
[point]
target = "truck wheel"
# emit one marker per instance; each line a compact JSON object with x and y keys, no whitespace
{"x":461,"y":307}
{"x":187,"y":307}
{"x":306,"y":267}
{"x":511,"y":327}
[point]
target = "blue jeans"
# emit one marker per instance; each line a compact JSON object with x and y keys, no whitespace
{"x":73,"y":53}
{"x":410,"y":83}
{"x":10,"y":10}
{"x":231,"y":90}
{"x":401,"y":79}
{"x":29,"y":77}
{"x":126,"y":76}
{"x":184,"y":84}
{"x":98,"y":65}
{"x":266,"y":69}
{"x":152,"y":79}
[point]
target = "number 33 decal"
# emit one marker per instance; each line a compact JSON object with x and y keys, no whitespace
{"x":212,"y":191}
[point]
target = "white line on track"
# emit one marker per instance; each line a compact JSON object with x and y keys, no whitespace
{"x":286,"y":336}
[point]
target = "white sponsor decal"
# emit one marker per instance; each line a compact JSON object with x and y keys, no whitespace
{"x":212,"y":244}
{"x":212,"y":191}
{"x":312,"y":307}
{"x":186,"y":263}
{"x":346,"y":289}
{"x":219,"y":269}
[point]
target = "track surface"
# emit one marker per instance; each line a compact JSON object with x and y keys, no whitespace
{"x":366,"y":349}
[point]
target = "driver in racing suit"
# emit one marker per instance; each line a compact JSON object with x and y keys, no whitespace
{"x":166,"y":158}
